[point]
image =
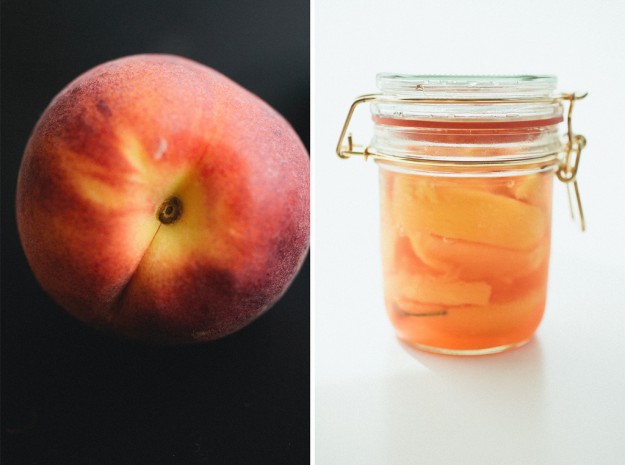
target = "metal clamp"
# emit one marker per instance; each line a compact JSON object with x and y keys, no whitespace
{"x":567,"y":171}
{"x":350,"y":150}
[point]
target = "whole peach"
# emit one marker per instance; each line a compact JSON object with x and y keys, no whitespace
{"x":159,"y":200}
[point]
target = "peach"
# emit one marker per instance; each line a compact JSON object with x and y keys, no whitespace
{"x":159,"y":200}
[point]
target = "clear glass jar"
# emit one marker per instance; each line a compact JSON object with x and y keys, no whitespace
{"x":466,"y":168}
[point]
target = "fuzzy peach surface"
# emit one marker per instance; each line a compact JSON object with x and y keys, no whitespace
{"x":118,"y":142}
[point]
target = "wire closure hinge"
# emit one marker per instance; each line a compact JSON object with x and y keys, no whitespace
{"x":568,"y":162}
{"x":349,"y":150}
{"x":567,"y":169}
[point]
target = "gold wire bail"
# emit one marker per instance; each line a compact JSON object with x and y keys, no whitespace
{"x":348,"y":151}
{"x":567,"y":170}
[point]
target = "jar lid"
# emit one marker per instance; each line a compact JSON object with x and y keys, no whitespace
{"x":423,"y":100}
{"x":412,"y":105}
{"x":466,"y":86}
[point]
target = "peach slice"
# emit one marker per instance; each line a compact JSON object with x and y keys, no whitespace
{"x":534,"y":189}
{"x":467,"y":214}
{"x":415,"y":308}
{"x":497,"y":318}
{"x":438,"y":289}
{"x":474,"y":261}
{"x":471,"y":326}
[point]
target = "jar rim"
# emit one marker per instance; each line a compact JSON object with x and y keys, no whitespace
{"x":433,"y":86}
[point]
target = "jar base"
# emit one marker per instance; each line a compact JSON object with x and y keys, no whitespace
{"x":465,"y":352}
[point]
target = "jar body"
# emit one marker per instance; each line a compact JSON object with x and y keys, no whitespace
{"x":465,"y":257}
{"x":466,"y":174}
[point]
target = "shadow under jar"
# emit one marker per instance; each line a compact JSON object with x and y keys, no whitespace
{"x":466,"y":166}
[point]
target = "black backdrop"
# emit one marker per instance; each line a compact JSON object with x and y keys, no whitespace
{"x":73,"y":396}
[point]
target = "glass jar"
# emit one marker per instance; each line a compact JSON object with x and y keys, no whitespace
{"x":466,"y":166}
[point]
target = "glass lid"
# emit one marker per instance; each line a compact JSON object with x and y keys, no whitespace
{"x":466,"y":86}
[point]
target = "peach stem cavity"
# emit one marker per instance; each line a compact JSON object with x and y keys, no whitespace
{"x":170,"y":210}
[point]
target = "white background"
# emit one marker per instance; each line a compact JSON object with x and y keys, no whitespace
{"x":561,"y":398}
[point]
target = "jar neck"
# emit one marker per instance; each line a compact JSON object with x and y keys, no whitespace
{"x":505,"y":127}
{"x":471,"y":142}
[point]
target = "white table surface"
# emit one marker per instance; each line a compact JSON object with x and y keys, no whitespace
{"x":561,"y":398}
{"x":558,"y":400}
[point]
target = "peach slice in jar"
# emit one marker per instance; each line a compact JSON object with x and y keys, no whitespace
{"x":412,"y":287}
{"x":497,"y":319}
{"x":443,"y":290}
{"x":467,"y":214}
{"x":475,"y":261}
{"x":390,"y":236}
{"x":460,"y":290}
{"x":534,"y":189}
{"x":473,"y":327}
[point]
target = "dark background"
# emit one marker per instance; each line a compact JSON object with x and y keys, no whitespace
{"x":73,"y":396}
